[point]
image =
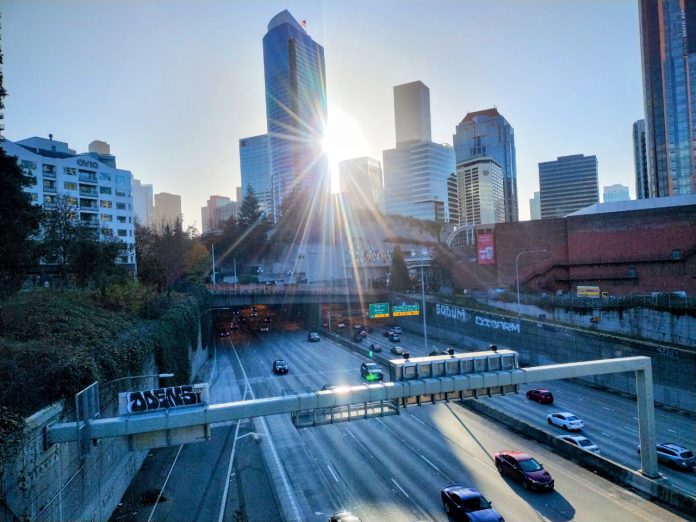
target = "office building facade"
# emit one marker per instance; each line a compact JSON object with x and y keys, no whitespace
{"x":480,"y":191}
{"x":668,"y":52}
{"x":567,"y":184}
{"x":616,"y":192}
{"x":143,"y":206}
{"x":535,"y":206}
{"x":412,"y":112}
{"x":216,"y":213}
{"x":167,"y":210}
{"x":295,"y":82}
{"x":255,"y":166}
{"x":100,"y":194}
{"x":487,"y":133}
{"x":640,"y":160}
{"x":361,"y":183}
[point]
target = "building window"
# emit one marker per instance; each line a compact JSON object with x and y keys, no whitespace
{"x":121,"y":219}
{"x":107,"y":218}
{"x":49,"y":170}
{"x":677,"y":254}
{"x":27,"y":164}
{"x":71,"y":200}
{"x":121,"y":206}
{"x":632,"y":273}
{"x":69,"y":185}
{"x":105,"y":190}
{"x":107,"y":231}
{"x":121,"y":193}
{"x":50,"y":201}
{"x":34,"y":197}
{"x":49,"y":186}
{"x":70,"y":171}
{"x":103,"y":176}
{"x":122,"y":232}
{"x":105,"y":204}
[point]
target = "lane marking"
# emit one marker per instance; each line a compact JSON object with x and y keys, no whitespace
{"x":628,"y":428}
{"x":671,"y":430}
{"x":225,"y":492}
{"x":606,"y":434}
{"x":433,"y":465}
{"x":332,"y":473}
{"x":349,"y":433}
{"x":165,"y":484}
{"x":416,"y":418}
{"x":401,"y":489}
{"x":608,"y":409}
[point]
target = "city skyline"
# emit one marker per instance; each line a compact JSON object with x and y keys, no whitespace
{"x":180,"y":132}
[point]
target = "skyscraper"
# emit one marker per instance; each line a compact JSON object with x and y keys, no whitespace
{"x":255,"y":165}
{"x":361,"y":182}
{"x":616,"y":192}
{"x":416,"y":172}
{"x":216,"y":213}
{"x":142,"y":203}
{"x":167,"y":210}
{"x":480,"y":190}
{"x":568,"y":184}
{"x":535,"y":206}
{"x":488,"y":133}
{"x":668,"y":49}
{"x":640,"y":160}
{"x":295,"y":109}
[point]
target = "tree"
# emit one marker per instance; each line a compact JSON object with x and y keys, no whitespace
{"x":400,"y":281}
{"x":19,"y":217}
{"x":251,"y":231}
{"x":60,"y":229}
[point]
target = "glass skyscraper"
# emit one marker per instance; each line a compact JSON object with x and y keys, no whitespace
{"x":487,"y":133}
{"x":255,"y":165}
{"x":567,"y":185}
{"x":668,"y":45}
{"x":295,"y":109}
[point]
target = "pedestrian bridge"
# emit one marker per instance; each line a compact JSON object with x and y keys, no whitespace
{"x":226,"y":295}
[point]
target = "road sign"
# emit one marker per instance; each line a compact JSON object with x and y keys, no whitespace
{"x":401,"y":310}
{"x":379,"y":310}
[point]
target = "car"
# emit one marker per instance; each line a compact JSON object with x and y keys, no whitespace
{"x":523,"y":468}
{"x":581,"y":442}
{"x":376,"y":348}
{"x":394,"y":337}
{"x":397,"y":350}
{"x":371,"y":371}
{"x":280,"y":366}
{"x":313,"y":337}
{"x":396,"y":329}
{"x":675,"y":455}
{"x":234,"y":326}
{"x":264,"y":328}
{"x":540,"y":395}
{"x":435,"y":352}
{"x":566,"y":420}
{"x":224,"y":333}
{"x":328,"y":387}
{"x":462,"y":503}
{"x":344,"y":516}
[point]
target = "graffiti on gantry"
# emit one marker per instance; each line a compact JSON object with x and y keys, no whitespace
{"x":162,"y":398}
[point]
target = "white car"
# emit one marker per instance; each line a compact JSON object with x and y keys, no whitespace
{"x":581,"y":442}
{"x":566,"y":420}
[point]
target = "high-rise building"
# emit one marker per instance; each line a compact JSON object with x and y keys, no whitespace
{"x":535,"y":207}
{"x":480,"y":191}
{"x":361,"y":182}
{"x":167,"y":210}
{"x":640,"y":160}
{"x":295,"y":109}
{"x":100,"y":194}
{"x":416,"y":172}
{"x":568,"y":184}
{"x":255,"y":165}
{"x":616,"y":192}
{"x":668,"y":50}
{"x":218,"y":210}
{"x":143,"y":208}
{"x":102,"y":151}
{"x":487,"y":133}
{"x":412,"y":112}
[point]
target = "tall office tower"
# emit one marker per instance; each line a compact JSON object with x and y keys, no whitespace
{"x":412,"y":112}
{"x":615,"y":193}
{"x":167,"y":210}
{"x":480,"y":189}
{"x":535,"y":207}
{"x":142,"y":203}
{"x":216,"y":213}
{"x":417,"y":170}
{"x":361,"y":182}
{"x":568,"y":184}
{"x":240,"y":194}
{"x":640,"y":160}
{"x":295,"y":109}
{"x":488,"y":133}
{"x":255,"y":165}
{"x":668,"y":49}
{"x":453,"y":198}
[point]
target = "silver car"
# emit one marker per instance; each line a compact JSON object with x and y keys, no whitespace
{"x":675,"y":455}
{"x":581,"y":442}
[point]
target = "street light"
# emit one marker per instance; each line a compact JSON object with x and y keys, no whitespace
{"x":424,"y":252}
{"x":160,"y":375}
{"x":517,"y":272}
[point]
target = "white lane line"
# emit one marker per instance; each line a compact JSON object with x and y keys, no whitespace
{"x":400,"y":488}
{"x":165,"y":484}
{"x":416,"y":418}
{"x":229,"y":475}
{"x":513,"y":410}
{"x":433,"y":465}
{"x":349,"y":433}
{"x":671,"y":430}
{"x":332,"y":473}
{"x":606,"y":434}
{"x":628,"y":428}
{"x":608,"y":409}
{"x":635,"y":418}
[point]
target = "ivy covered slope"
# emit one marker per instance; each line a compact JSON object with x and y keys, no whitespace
{"x":53,"y":344}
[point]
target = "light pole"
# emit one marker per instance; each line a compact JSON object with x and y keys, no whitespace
{"x":159,"y":375}
{"x":424,"y":253}
{"x":517,"y":272}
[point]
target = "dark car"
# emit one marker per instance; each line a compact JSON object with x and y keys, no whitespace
{"x":328,"y":387}
{"x":344,"y":516}
{"x":280,"y":366}
{"x":541,"y":395}
{"x":394,"y":337}
{"x":523,"y":468}
{"x":675,"y":455}
{"x":462,"y":503}
{"x":224,"y":333}
{"x":313,"y":337}
{"x":375,"y":348}
{"x":371,"y":371}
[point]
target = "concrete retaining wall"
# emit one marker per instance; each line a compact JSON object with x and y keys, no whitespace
{"x":611,"y":470}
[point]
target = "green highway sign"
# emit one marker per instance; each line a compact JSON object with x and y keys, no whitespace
{"x":379,"y":310}
{"x":400,"y":310}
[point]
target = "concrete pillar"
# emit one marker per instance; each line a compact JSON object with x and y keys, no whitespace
{"x":646,"y":422}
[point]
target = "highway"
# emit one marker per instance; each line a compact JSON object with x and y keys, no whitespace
{"x":386,"y":469}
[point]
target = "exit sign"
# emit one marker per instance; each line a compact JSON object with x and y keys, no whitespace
{"x":379,"y":310}
{"x":401,"y":310}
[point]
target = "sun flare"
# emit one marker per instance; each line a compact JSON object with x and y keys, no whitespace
{"x":343,"y":140}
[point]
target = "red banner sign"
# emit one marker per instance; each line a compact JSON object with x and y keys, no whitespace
{"x":485,"y":249}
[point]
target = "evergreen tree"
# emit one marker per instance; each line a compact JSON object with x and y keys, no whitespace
{"x":400,"y":280}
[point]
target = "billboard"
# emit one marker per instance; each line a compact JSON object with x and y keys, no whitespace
{"x":485,"y":249}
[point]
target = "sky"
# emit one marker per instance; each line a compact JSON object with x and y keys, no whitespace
{"x":173,"y":85}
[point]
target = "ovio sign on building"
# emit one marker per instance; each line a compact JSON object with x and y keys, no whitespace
{"x":158,"y":400}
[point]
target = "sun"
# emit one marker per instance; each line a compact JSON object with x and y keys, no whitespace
{"x":343,"y":140}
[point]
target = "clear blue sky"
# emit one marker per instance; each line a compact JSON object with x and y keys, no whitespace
{"x":173,"y":85}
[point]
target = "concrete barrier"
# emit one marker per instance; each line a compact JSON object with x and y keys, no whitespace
{"x":611,"y":470}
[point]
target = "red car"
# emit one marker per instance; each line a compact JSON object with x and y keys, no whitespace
{"x":525,"y":469}
{"x":541,"y":395}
